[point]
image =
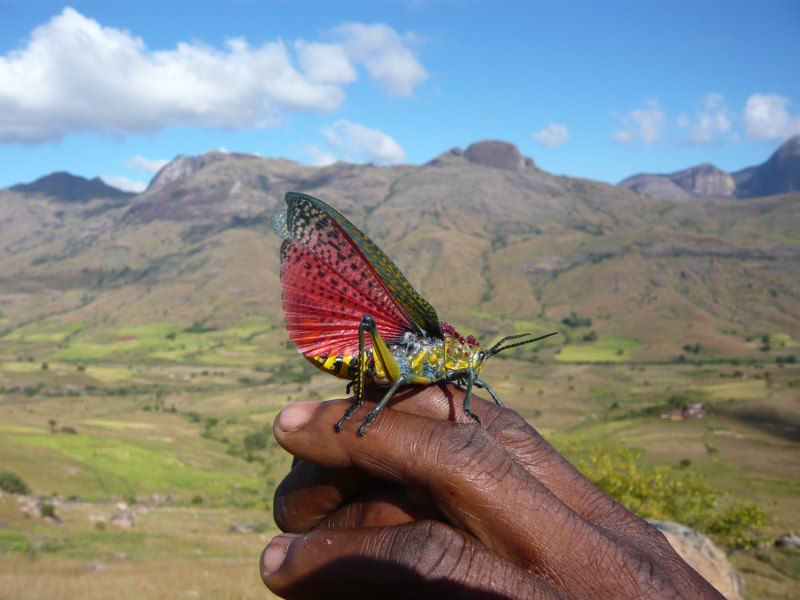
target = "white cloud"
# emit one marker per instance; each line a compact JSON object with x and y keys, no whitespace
{"x":553,"y":135}
{"x":645,"y":125}
{"x":385,"y":54}
{"x":124,"y":183}
{"x":149,"y":165}
{"x":320,"y":158}
{"x":709,"y":124}
{"x":359,"y":143}
{"x":73,"y":75}
{"x":766,"y":117}
{"x":325,"y":63}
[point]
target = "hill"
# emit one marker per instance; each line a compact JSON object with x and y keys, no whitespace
{"x":492,"y":240}
{"x":778,"y":175}
{"x":67,"y":187}
{"x":143,"y":356}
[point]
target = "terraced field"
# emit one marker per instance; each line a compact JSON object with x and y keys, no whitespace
{"x":179,"y":431}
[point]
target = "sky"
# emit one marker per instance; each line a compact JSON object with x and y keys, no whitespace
{"x":591,"y":89}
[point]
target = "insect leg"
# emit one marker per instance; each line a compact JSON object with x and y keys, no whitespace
{"x":468,"y":398}
{"x":482,"y":384}
{"x":358,"y":382}
{"x":384,"y":401}
{"x":457,"y":378}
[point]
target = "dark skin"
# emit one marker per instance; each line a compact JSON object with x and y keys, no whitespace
{"x":429,"y":504}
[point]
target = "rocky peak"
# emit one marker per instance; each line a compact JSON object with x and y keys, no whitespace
{"x":497,"y":154}
{"x":182,"y":167}
{"x":701,"y":181}
{"x":706,"y":181}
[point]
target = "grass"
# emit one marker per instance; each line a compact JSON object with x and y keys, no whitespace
{"x":124,"y":467}
{"x":593,"y":393}
{"x":607,"y":349}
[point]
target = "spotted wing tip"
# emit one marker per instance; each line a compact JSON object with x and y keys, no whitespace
{"x":279,"y":224}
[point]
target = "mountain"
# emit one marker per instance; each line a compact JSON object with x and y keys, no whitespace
{"x":66,"y":187}
{"x":495,"y":243}
{"x":780,"y":174}
{"x":701,"y":181}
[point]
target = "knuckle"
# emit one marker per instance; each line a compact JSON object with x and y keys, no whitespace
{"x":429,"y":548}
{"x":641,"y":571}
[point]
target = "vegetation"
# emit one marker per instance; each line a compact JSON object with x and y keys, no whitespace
{"x":660,"y":493}
{"x":13,"y":484}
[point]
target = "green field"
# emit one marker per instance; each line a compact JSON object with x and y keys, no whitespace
{"x":156,"y":411}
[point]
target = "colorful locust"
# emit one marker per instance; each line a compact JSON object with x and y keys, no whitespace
{"x":351,"y":312}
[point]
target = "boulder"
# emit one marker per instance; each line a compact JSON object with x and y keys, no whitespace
{"x":124,"y":519}
{"x":789,"y":541}
{"x":703,"y":556}
{"x":491,"y":153}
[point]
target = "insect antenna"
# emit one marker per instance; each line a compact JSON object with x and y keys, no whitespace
{"x":498,"y":348}
{"x":505,"y":339}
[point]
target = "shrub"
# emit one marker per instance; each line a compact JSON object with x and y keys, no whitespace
{"x":573,"y":320}
{"x":197,"y":500}
{"x":663,"y":494}
{"x":13,"y":484}
{"x":740,"y":525}
{"x":48,"y":510}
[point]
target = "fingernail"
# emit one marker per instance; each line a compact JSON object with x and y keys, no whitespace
{"x":275,"y":552}
{"x":294,"y":416}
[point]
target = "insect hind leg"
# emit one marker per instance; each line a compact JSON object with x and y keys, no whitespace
{"x":367,"y":323}
{"x":376,"y":411}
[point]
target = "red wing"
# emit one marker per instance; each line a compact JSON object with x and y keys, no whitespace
{"x":327,"y":288}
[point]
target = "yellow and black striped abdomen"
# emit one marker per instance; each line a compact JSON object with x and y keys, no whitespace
{"x":340,"y":366}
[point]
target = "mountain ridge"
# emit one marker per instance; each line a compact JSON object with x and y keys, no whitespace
{"x":66,"y":187}
{"x":780,"y":173}
{"x":492,"y":247}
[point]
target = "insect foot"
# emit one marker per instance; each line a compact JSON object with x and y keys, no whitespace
{"x":472,"y":416}
{"x":366,"y":422}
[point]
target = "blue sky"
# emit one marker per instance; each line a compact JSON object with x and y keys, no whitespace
{"x":592,"y":89}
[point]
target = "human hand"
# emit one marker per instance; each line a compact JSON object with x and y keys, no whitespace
{"x":431,"y":505}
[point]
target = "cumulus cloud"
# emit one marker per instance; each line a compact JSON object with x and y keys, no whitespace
{"x":325,"y":63}
{"x":709,"y":124}
{"x":149,"y":165}
{"x":766,"y":117}
{"x":645,"y":125}
{"x":385,"y":54}
{"x":358,"y":143}
{"x":319,"y":157}
{"x":553,"y":135}
{"x":73,"y":75}
{"x":123,"y":183}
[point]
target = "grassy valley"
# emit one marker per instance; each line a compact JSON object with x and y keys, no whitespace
{"x":143,"y":358}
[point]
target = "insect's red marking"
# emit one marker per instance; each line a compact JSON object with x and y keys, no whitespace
{"x":328,"y":286}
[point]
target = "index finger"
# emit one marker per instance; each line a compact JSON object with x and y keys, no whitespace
{"x":527,"y":446}
{"x":473,"y":480}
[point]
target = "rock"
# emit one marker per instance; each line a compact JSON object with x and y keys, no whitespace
{"x":701,"y":181}
{"x":247,"y":527}
{"x":491,"y":153}
{"x":182,"y":167}
{"x":789,"y":541}
{"x":40,"y":506}
{"x":703,"y":556}
{"x":124,"y":519}
{"x":705,"y":181}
